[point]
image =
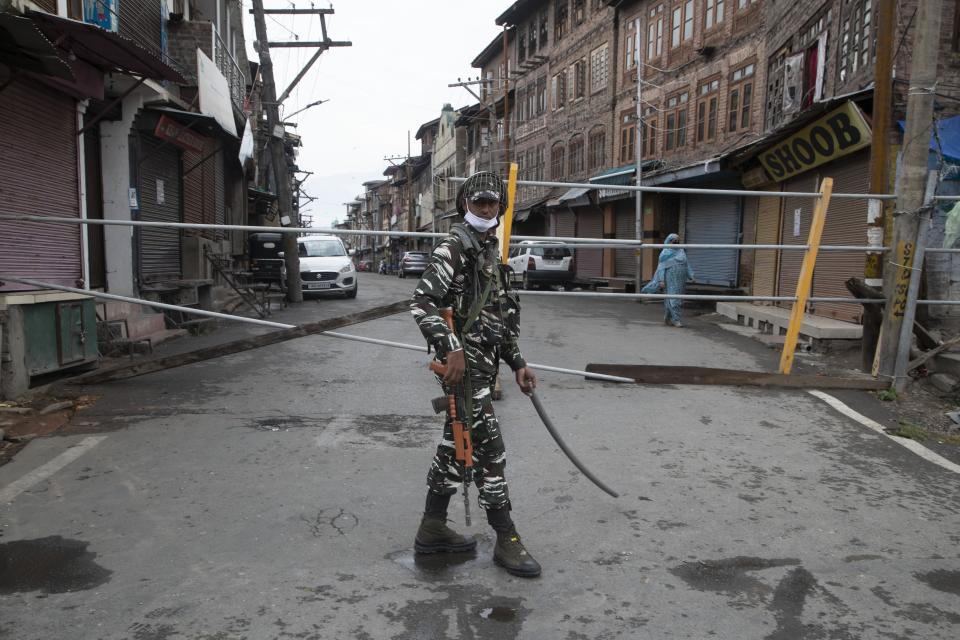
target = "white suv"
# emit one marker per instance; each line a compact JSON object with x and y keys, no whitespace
{"x":536,"y":263}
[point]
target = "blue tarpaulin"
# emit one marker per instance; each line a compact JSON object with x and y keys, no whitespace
{"x":949,"y":131}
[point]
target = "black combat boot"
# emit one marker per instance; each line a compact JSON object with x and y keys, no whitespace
{"x":509,"y":551}
{"x":434,"y":536}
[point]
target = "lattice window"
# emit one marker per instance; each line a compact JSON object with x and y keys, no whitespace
{"x":740,"y":98}
{"x":579,"y":79}
{"x":655,"y":33}
{"x":712,"y":13}
{"x":599,"y":69}
{"x":576,"y":155}
{"x":560,"y":16}
{"x":557,"y":160}
{"x":675,"y":131}
{"x":597,"y":155}
{"x":856,"y":37}
{"x":708,"y":99}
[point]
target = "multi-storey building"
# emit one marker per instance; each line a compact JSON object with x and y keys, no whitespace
{"x":562,"y":127}
{"x":114,"y":121}
{"x":449,"y":161}
{"x":703,"y":93}
{"x":818,"y":75}
{"x":700,"y":97}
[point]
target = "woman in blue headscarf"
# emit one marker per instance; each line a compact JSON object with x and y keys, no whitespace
{"x":672,"y":274}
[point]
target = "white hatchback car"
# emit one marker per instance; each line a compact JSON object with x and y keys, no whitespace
{"x":536,"y":263}
{"x":325,"y":266}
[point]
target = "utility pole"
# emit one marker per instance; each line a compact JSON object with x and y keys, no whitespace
{"x":506,"y":97}
{"x":912,"y":182}
{"x":491,"y":108}
{"x":406,"y":160}
{"x":638,"y":152}
{"x":274,"y":153}
{"x":879,"y":164}
{"x":411,"y":217}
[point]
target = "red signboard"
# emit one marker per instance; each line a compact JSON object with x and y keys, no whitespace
{"x":177,"y":134}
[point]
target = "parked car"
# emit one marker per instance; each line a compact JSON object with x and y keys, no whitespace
{"x":266,"y":262}
{"x":365,"y":265}
{"x":325,"y":266}
{"x":413,"y":263}
{"x":537,"y":263}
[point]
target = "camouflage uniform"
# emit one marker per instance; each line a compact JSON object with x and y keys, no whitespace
{"x":460,"y":270}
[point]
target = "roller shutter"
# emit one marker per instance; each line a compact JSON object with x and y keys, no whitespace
{"x":589,"y":261}
{"x":626,"y":261}
{"x":713,"y":220}
{"x":202,"y":189}
{"x":159,"y":249}
{"x":219,"y":193}
{"x":846,"y":224}
{"x":795,"y":229}
{"x":768,"y":232}
{"x":39,"y":176}
{"x":564,"y":224}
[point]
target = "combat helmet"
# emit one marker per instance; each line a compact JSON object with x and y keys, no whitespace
{"x":482,"y":185}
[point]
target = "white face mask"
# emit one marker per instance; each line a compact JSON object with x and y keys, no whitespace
{"x":478,"y":223}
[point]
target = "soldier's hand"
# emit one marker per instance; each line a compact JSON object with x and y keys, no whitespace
{"x":456,"y":365}
{"x":527,"y":379}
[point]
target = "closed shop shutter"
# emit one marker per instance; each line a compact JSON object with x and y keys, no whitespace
{"x":768,"y":232}
{"x":626,"y":261}
{"x":219,"y":212}
{"x":159,"y":248}
{"x":564,"y":224}
{"x":846,"y":224}
{"x":713,"y":220}
{"x":589,"y":261}
{"x":199,"y":188}
{"x":795,"y":229}
{"x":39,"y":176}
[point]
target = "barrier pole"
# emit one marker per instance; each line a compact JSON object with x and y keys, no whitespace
{"x":804,"y":284}
{"x":507,"y":226}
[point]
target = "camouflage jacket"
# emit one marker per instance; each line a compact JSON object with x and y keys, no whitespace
{"x":460,"y":269}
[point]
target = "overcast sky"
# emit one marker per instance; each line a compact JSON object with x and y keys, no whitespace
{"x":393,"y":79}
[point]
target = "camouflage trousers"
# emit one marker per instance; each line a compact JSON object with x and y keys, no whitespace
{"x":489,"y":454}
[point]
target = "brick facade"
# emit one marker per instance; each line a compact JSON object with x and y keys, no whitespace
{"x":702,"y":66}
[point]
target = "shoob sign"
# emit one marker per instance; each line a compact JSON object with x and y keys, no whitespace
{"x":833,"y":136}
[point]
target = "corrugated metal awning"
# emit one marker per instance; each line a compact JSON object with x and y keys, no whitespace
{"x":575,"y":197}
{"x":23,"y":46}
{"x":104,"y":49}
{"x":573,"y":194}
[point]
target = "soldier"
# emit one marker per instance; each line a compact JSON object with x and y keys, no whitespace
{"x":465,"y":273}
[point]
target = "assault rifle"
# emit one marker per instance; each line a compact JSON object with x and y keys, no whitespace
{"x":454,"y":404}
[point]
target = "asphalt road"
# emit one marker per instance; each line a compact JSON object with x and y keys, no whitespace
{"x":275,"y":494}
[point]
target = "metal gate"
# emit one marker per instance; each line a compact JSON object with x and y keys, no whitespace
{"x":713,"y":220}
{"x":626,"y":261}
{"x":589,"y":261}
{"x":768,"y":232}
{"x":846,"y":224}
{"x":39,"y":176}
{"x":160,"y":198}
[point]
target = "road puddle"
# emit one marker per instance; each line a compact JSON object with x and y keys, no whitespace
{"x":49,"y":565}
